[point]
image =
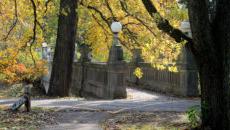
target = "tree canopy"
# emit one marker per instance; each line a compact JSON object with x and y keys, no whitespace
{"x":26,"y":24}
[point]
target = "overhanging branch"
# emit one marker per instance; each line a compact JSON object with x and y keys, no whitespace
{"x":164,"y":25}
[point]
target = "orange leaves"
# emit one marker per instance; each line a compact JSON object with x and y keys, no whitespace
{"x":19,"y":71}
{"x":20,"y":68}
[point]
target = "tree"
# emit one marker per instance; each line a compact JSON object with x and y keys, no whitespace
{"x":212,"y":45}
{"x":64,"y":51}
{"x":139,"y":31}
{"x":19,"y":35}
{"x":211,"y":48}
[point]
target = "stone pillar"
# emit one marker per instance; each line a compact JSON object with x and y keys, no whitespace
{"x":137,"y":58}
{"x":116,"y":72}
{"x":189,"y":81}
{"x":116,"y":51}
{"x":44,"y":53}
{"x":79,"y":71}
{"x":85,"y":51}
{"x":47,"y":56}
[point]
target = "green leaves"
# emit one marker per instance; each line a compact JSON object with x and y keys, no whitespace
{"x":194,"y":115}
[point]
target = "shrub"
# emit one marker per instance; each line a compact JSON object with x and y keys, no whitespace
{"x":193,"y":115}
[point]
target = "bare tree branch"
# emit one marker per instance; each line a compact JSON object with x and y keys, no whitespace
{"x":97,"y":11}
{"x":103,"y":28}
{"x":163,"y":24}
{"x":46,"y":5}
{"x":124,"y":8}
{"x":15,"y":21}
{"x":109,"y":21}
{"x":110,"y":10}
{"x":33,"y":38}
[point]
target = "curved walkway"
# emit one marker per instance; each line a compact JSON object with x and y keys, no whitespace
{"x":137,"y":101}
{"x":87,"y":114}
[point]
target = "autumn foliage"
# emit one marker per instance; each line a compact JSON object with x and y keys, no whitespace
{"x":19,"y":59}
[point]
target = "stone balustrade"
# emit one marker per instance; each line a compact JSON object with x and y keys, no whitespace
{"x":182,"y":83}
{"x":94,"y":80}
{"x":109,"y":80}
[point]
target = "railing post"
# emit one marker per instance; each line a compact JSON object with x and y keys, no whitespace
{"x":79,"y":71}
{"x":85,"y":51}
{"x":46,"y":56}
{"x":27,"y":93}
{"x":137,"y":58}
{"x":116,"y":71}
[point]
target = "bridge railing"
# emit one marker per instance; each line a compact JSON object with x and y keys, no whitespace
{"x":182,"y":83}
{"x":95,"y":79}
{"x":109,"y":80}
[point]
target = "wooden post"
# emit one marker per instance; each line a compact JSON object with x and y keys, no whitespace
{"x":24,"y":100}
{"x":27,"y":93}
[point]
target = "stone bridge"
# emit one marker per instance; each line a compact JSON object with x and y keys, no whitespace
{"x":109,"y":80}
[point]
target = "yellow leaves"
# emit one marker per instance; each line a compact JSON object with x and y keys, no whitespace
{"x":15,"y":59}
{"x":144,"y":32}
{"x":138,"y":72}
{"x":173,"y":69}
{"x":16,"y":66}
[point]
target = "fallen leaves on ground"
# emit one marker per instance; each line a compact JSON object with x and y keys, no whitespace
{"x":147,"y":121}
{"x":21,"y":120}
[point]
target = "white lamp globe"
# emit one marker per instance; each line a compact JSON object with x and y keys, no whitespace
{"x":44,"y":44}
{"x":116,"y":27}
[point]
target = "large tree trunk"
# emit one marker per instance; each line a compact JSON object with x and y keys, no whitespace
{"x":213,"y":103}
{"x":212,"y":42}
{"x":211,"y":48}
{"x":221,"y":32}
{"x":64,"y":52}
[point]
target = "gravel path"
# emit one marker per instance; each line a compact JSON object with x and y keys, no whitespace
{"x":81,"y":118}
{"x":137,"y":100}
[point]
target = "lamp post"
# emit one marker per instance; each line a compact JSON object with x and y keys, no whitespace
{"x":116,"y":67}
{"x":116,"y":52}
